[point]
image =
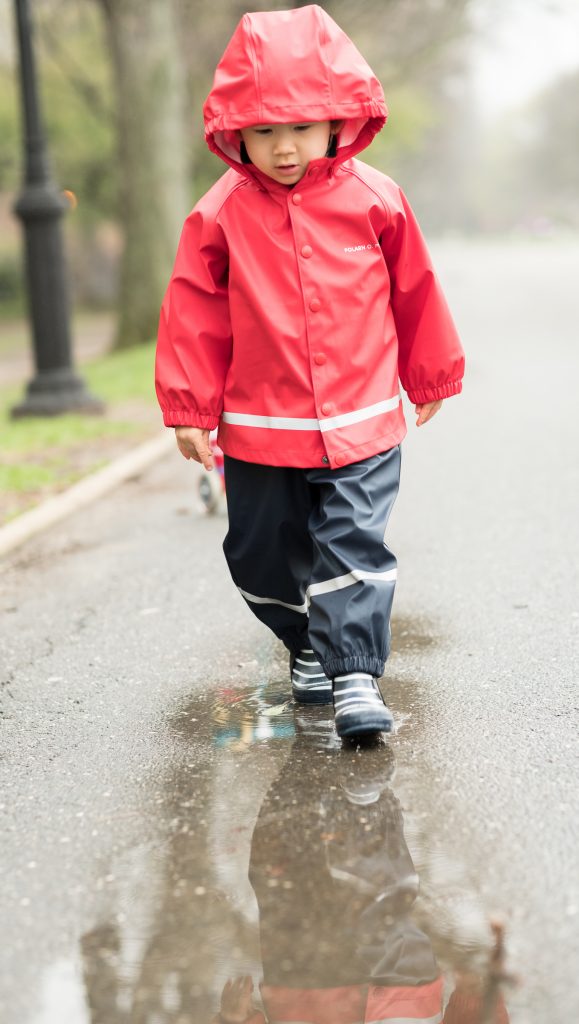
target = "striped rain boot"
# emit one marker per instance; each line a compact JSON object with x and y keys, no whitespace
{"x":359,"y":708}
{"x":309,"y":684}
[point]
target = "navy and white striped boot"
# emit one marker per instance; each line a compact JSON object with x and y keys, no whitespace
{"x":309,"y":683}
{"x":359,"y":708}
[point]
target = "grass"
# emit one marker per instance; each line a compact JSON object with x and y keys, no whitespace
{"x":124,"y":374}
{"x":39,"y":457}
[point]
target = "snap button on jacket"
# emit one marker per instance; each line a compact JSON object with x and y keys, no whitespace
{"x":293,"y":313}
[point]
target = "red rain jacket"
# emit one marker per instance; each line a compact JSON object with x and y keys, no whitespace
{"x":374,"y":1004}
{"x":291,"y":313}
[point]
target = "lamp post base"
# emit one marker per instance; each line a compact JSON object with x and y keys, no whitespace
{"x":54,"y":392}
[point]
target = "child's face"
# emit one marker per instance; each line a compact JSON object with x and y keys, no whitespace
{"x":283,"y":151}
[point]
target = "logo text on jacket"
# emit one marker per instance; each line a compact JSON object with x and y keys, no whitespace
{"x":361,"y":248}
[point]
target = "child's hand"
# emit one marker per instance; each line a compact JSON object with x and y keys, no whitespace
{"x":193,"y":443}
{"x":236,"y":1004}
{"x":426,"y":411}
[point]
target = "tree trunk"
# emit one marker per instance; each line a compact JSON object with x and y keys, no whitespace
{"x":154,"y":152}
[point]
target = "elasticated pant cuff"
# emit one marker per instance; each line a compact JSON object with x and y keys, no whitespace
{"x":372,"y":666}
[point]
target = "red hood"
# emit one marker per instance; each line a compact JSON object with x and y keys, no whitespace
{"x":281,"y":67}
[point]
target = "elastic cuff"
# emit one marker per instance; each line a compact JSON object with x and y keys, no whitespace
{"x":372,"y":666}
{"x":421,"y":395}
{"x":183,"y":418}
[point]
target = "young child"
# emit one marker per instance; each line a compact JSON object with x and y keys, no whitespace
{"x":302,"y":292}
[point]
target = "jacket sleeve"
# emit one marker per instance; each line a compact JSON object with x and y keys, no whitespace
{"x":430,"y":355}
{"x":194,"y":341}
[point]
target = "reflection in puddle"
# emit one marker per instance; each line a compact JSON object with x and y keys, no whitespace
{"x":242,"y":719}
{"x":286,"y":891}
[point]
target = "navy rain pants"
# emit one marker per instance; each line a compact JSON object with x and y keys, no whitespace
{"x":306,"y":549}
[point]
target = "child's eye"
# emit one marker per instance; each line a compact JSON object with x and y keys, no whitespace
{"x":302,"y":127}
{"x":262,"y":131}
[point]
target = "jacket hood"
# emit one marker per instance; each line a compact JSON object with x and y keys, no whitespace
{"x":282,"y":67}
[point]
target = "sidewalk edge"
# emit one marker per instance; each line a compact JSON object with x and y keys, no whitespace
{"x":87,"y":490}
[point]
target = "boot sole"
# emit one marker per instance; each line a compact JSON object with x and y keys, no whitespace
{"x":369,"y":726}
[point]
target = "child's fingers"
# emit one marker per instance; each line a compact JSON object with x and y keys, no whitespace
{"x":186,"y":451}
{"x":435,"y":407}
{"x":204,"y":455}
{"x":236,"y":997}
{"x":420,"y":410}
{"x":193,"y":445}
{"x":426,"y":412}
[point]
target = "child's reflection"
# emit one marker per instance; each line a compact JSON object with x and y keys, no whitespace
{"x":335,"y":886}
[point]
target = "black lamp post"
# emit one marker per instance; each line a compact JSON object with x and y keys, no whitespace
{"x":55,"y":388}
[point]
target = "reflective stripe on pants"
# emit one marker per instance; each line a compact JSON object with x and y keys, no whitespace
{"x":306,"y":549}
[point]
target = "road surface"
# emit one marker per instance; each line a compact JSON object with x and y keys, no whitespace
{"x":151,"y":757}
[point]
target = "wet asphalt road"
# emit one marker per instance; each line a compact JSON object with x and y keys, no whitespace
{"x":151,"y":759}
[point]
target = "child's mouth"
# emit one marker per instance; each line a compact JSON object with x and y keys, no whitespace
{"x":287,"y":168}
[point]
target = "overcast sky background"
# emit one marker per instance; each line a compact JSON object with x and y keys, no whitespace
{"x":522,"y":45}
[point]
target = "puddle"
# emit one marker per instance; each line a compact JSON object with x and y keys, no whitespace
{"x":233,"y":717}
{"x":286,"y":885}
{"x":263,"y":866}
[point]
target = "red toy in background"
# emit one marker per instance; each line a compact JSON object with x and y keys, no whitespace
{"x":212,"y":485}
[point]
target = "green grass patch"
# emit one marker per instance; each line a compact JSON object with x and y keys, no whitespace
{"x":24,"y":477}
{"x":124,"y":374}
{"x":40,"y":456}
{"x":121,"y":377}
{"x":41,"y":437}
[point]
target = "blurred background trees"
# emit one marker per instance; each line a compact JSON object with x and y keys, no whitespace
{"x":123,"y":82}
{"x":152,"y":156}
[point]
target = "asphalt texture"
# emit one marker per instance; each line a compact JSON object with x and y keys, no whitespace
{"x":151,"y":759}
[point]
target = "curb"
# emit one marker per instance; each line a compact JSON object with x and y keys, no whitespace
{"x":84,"y":492}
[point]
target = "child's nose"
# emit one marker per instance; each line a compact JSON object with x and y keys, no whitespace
{"x":284,"y":143}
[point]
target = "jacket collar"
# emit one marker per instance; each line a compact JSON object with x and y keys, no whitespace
{"x":318,"y":170}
